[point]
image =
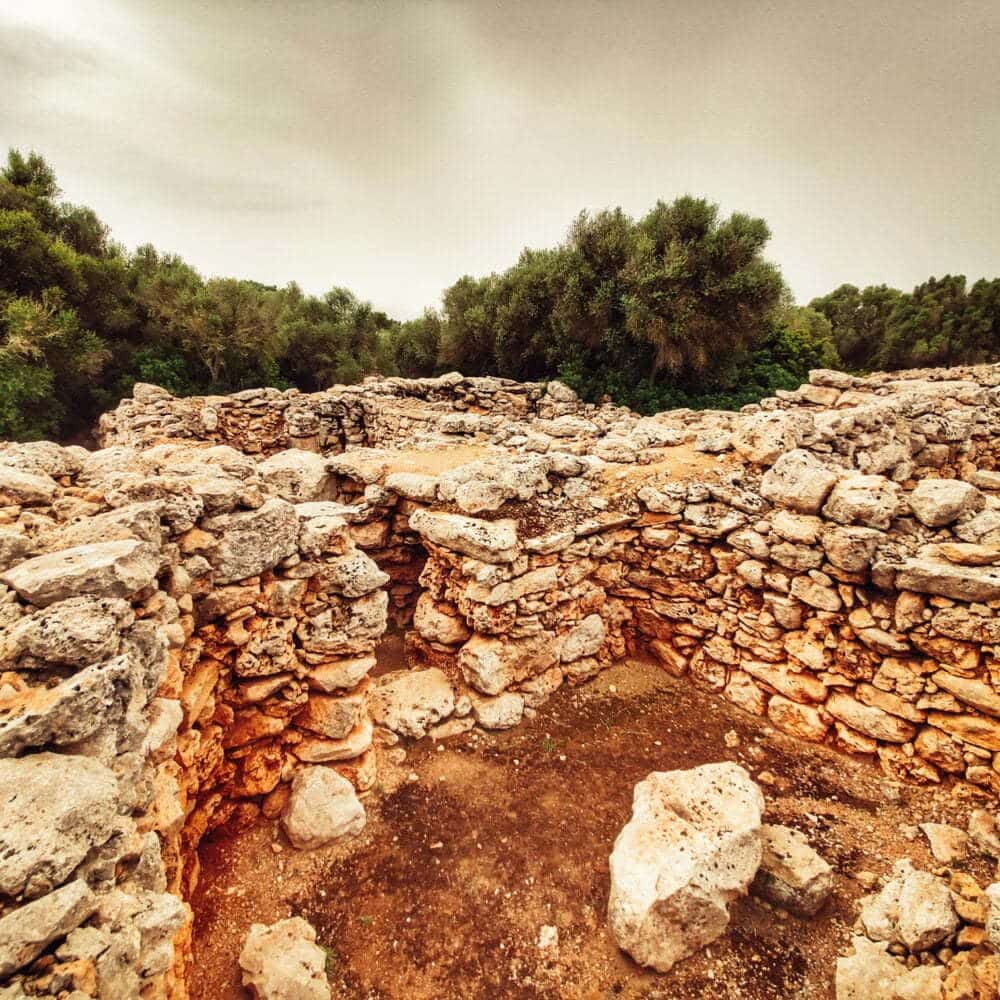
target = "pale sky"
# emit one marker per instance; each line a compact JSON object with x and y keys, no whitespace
{"x":391,"y":147}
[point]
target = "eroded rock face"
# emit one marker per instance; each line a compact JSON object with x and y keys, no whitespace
{"x":283,"y":962}
{"x":792,"y":875}
{"x":692,"y":846}
{"x":55,"y":809}
{"x":491,"y":541}
{"x":253,"y":540}
{"x":104,"y":569}
{"x":914,"y":909}
{"x":410,"y":702}
{"x":322,"y":808}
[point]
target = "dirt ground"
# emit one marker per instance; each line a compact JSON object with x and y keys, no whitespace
{"x":473,"y":845}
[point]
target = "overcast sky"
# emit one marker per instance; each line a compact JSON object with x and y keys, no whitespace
{"x":391,"y":147}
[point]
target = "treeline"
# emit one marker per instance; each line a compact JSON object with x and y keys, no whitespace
{"x":678,"y":308}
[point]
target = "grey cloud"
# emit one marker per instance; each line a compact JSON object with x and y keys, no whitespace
{"x":392,"y":146}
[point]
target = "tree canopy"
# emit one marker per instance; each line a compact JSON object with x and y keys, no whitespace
{"x":677,"y":308}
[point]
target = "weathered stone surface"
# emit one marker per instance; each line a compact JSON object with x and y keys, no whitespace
{"x":105,"y":569}
{"x":867,"y":719}
{"x":584,"y":639}
{"x":435,"y":624}
{"x":962,"y":583}
{"x":352,"y":575}
{"x":491,"y":665}
{"x":948,"y":844}
{"x":791,"y":874}
{"x":26,"y":932}
{"x":914,"y":909}
{"x":322,"y":808}
{"x":978,"y":730}
{"x":692,"y":846}
{"x":870,"y":973}
{"x":346,"y":627}
{"x":798,"y":480}
{"x":87,"y":702}
{"x":55,"y":808}
{"x":409,"y":702}
{"x":25,"y":488}
{"x":297,"y":476}
{"x":938,"y":502}
{"x":764,"y":437}
{"x":502,"y":712}
{"x":283,"y":962}
{"x":74,"y":632}
{"x":252,"y":541}
{"x":867,"y":500}
{"x":490,"y":541}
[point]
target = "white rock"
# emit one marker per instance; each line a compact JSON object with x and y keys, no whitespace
{"x":869,"y":974}
{"x":913,"y":909}
{"x":409,"y":702}
{"x":937,"y":502}
{"x":798,"y":480}
{"x":584,"y":639}
{"x":252,"y":541}
{"x":322,"y":808}
{"x":792,"y":875}
{"x":352,"y":575}
{"x":435,"y":624}
{"x":501,"y":712}
{"x":55,"y":809}
{"x":107,"y":569}
{"x":692,"y":846}
{"x":25,"y":488}
{"x":297,"y":476}
{"x":489,"y":541}
{"x":27,"y":931}
{"x":283,"y":962}
{"x":869,"y":500}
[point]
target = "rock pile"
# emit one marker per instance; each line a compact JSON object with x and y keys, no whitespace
{"x":188,"y":616}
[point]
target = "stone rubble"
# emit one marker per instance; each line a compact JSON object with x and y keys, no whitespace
{"x":189,"y":615}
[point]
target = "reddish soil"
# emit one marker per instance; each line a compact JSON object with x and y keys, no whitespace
{"x":444,"y":894}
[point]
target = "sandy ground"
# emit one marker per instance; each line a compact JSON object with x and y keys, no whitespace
{"x":473,"y":845}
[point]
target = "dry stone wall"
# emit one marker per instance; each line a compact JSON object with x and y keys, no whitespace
{"x":177,"y":644}
{"x":189,"y":616}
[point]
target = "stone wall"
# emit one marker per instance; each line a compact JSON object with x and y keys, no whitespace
{"x":189,"y":616}
{"x":176,"y":642}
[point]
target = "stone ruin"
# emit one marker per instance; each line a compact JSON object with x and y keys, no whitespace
{"x":189,"y":615}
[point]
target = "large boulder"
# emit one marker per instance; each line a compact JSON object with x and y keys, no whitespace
{"x":283,"y":962}
{"x":692,"y":846}
{"x":409,"y":702}
{"x":352,"y":575}
{"x":297,"y":476}
{"x":322,"y":808}
{"x":962,"y":583}
{"x":798,"y":480}
{"x":25,"y":488}
{"x":55,"y":809}
{"x":914,"y":909}
{"x":75,"y":632}
{"x":27,"y":931}
{"x":763,"y":437}
{"x":106,"y":569}
{"x":938,"y":502}
{"x":489,"y":541}
{"x":252,"y":541}
{"x":872,"y":501}
{"x":492,"y":664}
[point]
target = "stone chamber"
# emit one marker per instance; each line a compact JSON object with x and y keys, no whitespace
{"x":235,"y":595}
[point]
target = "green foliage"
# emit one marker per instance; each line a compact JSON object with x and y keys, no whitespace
{"x":678,"y":308}
{"x":940,"y":322}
